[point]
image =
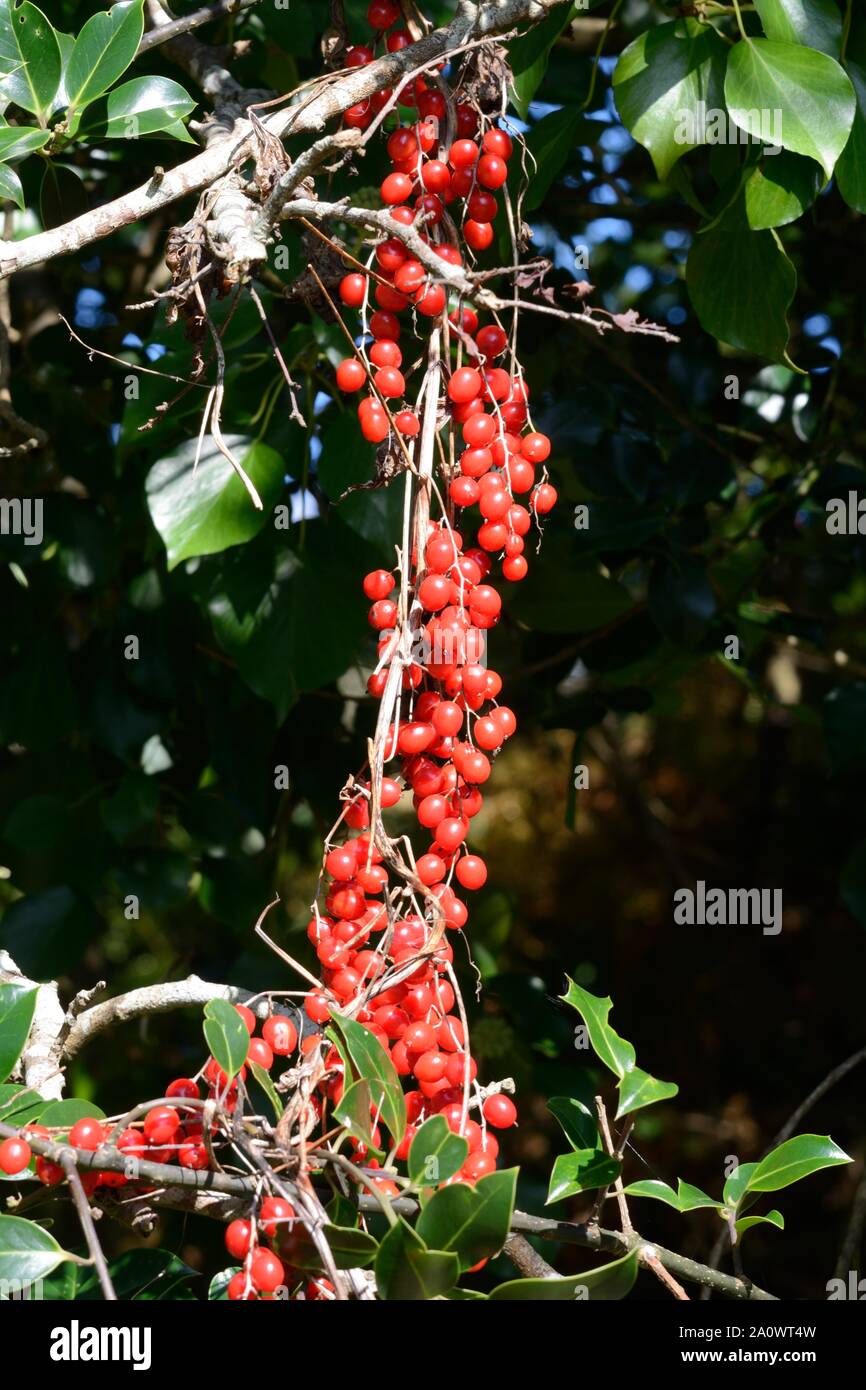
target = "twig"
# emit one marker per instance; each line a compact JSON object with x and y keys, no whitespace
{"x":85,"y":1216}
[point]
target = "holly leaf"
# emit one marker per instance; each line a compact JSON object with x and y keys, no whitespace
{"x":27,"y":1252}
{"x":436,"y":1153}
{"x":612,"y":1282}
{"x":581,"y":1171}
{"x":472,"y":1221}
{"x":30,"y":60}
{"x":103,"y":51}
{"x":637,"y":1089}
{"x":371,"y":1063}
{"x":407,"y":1269}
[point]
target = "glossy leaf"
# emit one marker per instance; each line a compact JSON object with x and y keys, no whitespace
{"x":737,"y":1183}
{"x":741,"y":284}
{"x":27,"y":1252}
{"x":550,"y":143}
{"x":578,"y":1123}
{"x":226,"y":1035}
{"x":371,"y":1063}
{"x":17,"y":141}
{"x":10,"y":186}
{"x":353,"y":1112}
{"x":815,"y":23}
{"x":609,"y":1283}
{"x":406,"y":1269}
{"x":780,"y":189}
{"x":139,"y":107}
{"x":807,"y":97}
{"x":30,"y":61}
{"x":17,"y":1005}
{"x":350,"y":1247}
{"x":103,"y":51}
{"x":204,"y":510}
{"x":264,"y":1080}
{"x":528,"y":56}
{"x":19,"y":1105}
{"x":637,"y":1089}
{"x":795,"y":1159}
{"x":62,"y":1114}
{"x":583,"y":1170}
{"x":851,"y":166}
{"x":772,"y":1218}
{"x":473,"y":1221}
{"x":663,"y":84}
{"x":686,"y":1197}
{"x":616,"y":1054}
{"x":435,"y":1153}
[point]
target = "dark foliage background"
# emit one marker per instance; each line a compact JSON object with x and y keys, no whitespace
{"x":155,"y":777}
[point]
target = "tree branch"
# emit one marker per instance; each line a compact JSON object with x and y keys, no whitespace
{"x":311,"y":110}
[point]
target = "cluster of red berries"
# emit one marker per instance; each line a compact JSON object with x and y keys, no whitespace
{"x":454,"y":724}
{"x":168,"y":1133}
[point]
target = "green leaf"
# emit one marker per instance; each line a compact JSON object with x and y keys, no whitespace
{"x":17,"y":1005}
{"x":576,"y":599}
{"x":581,"y":1171}
{"x":353,"y":1112}
{"x":616,"y":1054}
{"x":147,"y":1276}
{"x":27,"y":1252}
{"x":610,"y":1283}
{"x":19,"y":1105}
{"x":103,"y":50}
{"x":10,"y":186}
{"x":528,"y":56}
{"x":372,"y":1064}
{"x":218,"y":1287}
{"x":16,"y":141}
{"x":62,"y":1114}
{"x":579,"y":1124}
{"x":436,"y":1153}
{"x":473,"y":1221}
{"x":62,"y":194}
{"x":663,"y":83}
{"x":349,"y":1247}
{"x":737,"y":1183}
{"x":551,"y":142}
{"x":815,"y":23}
{"x":226,"y":1035}
{"x":772,"y":1218}
{"x":267,"y":1085}
{"x":406,"y":1269}
{"x":686,"y":1197}
{"x":30,"y":61}
{"x":140,"y":107}
{"x":795,"y":1159}
{"x":741,"y":284}
{"x":806,"y":97}
{"x":780,"y":189}
{"x":47,"y":932}
{"x":204,"y":510}
{"x":637,"y":1088}
{"x":851,"y":166}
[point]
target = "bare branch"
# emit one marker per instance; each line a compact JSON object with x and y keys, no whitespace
{"x":152,"y":999}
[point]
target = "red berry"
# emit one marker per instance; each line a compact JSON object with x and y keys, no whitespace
{"x":492,"y":171}
{"x":15,"y":1154}
{"x":498,"y":142}
{"x":471,"y":871}
{"x":239,"y":1287}
{"x":431,"y":301}
{"x":464,"y":385}
{"x":89,"y":1133}
{"x":384,"y":353}
{"x":478,"y":235}
{"x":350,"y":374}
{"x":238,"y":1236}
{"x":395,"y":188}
{"x":463,"y":154}
{"x":544,"y":498}
{"x":407,"y":422}
{"x":389,"y":382}
{"x":266,"y":1271}
{"x":160,"y":1124}
{"x":352,"y":290}
{"x":260,"y":1053}
{"x":280,"y":1034}
{"x":499,"y":1111}
{"x":492,"y":340}
{"x":535,"y":447}
{"x":381,"y":14}
{"x":183,"y":1089}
